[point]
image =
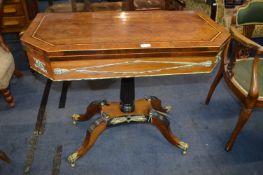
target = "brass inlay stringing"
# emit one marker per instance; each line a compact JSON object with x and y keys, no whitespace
{"x":59,"y":71}
{"x":40,"y":65}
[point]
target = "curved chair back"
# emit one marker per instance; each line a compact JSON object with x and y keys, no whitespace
{"x":250,"y":14}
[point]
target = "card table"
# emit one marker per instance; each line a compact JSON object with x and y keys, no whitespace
{"x":125,"y":45}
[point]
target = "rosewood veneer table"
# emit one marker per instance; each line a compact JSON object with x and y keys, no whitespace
{"x":101,"y":45}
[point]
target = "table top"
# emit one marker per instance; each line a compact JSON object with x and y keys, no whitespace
{"x":55,"y":32}
{"x":135,"y":34}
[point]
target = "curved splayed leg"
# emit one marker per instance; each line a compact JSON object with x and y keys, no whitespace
{"x":156,"y":104}
{"x":92,"y":109}
{"x":92,"y":134}
{"x":163,"y":124}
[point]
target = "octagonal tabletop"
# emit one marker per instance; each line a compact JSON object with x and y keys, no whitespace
{"x":56,"y":32}
{"x":98,"y":45}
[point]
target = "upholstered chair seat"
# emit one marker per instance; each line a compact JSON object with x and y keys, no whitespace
{"x":242,"y":72}
{"x":7,"y":68}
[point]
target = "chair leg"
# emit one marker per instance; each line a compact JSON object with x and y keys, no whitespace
{"x":217,"y":79}
{"x":8,"y":97}
{"x":243,"y":118}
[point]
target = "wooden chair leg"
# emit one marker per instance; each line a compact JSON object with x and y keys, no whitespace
{"x":243,"y":118}
{"x":217,"y":79}
{"x":8,"y":97}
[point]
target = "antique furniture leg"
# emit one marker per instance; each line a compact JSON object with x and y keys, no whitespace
{"x":157,"y":105}
{"x":8,"y":97}
{"x":92,"y":134}
{"x":4,"y":157}
{"x":92,"y":109}
{"x":243,"y":118}
{"x":163,"y":124}
{"x":217,"y":79}
{"x":148,"y":110}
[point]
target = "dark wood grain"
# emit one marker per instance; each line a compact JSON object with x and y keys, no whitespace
{"x":160,"y":40}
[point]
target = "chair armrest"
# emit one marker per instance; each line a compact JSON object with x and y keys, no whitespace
{"x":244,"y":40}
{"x":260,"y":51}
{"x":253,"y":92}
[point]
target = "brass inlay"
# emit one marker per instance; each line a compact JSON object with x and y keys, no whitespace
{"x":128,"y":119}
{"x":40,"y":65}
{"x":60,"y":71}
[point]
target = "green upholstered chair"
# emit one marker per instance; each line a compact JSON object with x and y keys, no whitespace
{"x":258,"y":31}
{"x":243,"y":72}
{"x":215,"y":9}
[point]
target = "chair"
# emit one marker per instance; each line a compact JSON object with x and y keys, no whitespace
{"x":127,"y":5}
{"x":7,"y":68}
{"x":214,"y":9}
{"x":258,"y":31}
{"x":243,"y":70}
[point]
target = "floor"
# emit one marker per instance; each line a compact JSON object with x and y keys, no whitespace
{"x":38,"y":139}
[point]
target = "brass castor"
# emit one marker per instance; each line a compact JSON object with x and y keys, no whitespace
{"x":75,"y":118}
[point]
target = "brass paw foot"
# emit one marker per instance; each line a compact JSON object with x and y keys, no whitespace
{"x":72,"y":159}
{"x":75,"y":118}
{"x":168,"y":108}
{"x":184,"y":146}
